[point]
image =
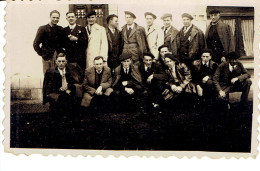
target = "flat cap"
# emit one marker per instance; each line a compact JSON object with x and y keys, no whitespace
{"x":148,"y":54}
{"x":149,"y":13}
{"x":172,"y":57}
{"x":124,"y":56}
{"x":130,"y":13}
{"x":91,"y":13}
{"x":232,"y":55}
{"x":187,"y":15}
{"x":214,"y":11}
{"x":166,"y":15}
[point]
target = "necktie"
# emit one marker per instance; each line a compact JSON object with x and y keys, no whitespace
{"x":184,"y":29}
{"x":64,"y":83}
{"x":148,"y":28}
{"x":165,"y":31}
{"x":129,"y":31}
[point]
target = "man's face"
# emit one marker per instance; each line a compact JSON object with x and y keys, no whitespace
{"x":71,"y":18}
{"x":129,"y":19}
{"x":163,"y":51}
{"x":92,"y":19}
{"x":98,"y":64}
{"x":186,"y":21}
{"x":148,"y":61}
{"x":61,"y":62}
{"x":214,"y":17}
{"x":232,"y":62}
{"x":170,"y":63}
{"x":114,"y":22}
{"x":205,"y":57}
{"x":55,"y":17}
{"x":149,"y":20}
{"x":126,"y":63}
{"x":167,"y":22}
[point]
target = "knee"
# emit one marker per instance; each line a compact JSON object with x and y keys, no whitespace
{"x":248,"y":82}
{"x":108,"y":92}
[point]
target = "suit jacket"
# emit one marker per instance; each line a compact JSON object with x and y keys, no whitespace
{"x":197,"y":43}
{"x":76,"y":49}
{"x":197,"y":65}
{"x":97,"y":44}
{"x":53,"y":80}
{"x":225,"y":35}
{"x":89,"y":80}
{"x":222,"y":76}
{"x":184,"y":77}
{"x":155,"y":39}
{"x":135,"y":42}
{"x":170,"y":37}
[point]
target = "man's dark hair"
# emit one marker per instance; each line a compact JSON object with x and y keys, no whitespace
{"x":99,"y":57}
{"x":70,"y":12}
{"x":54,"y":11}
{"x":61,"y":54}
{"x":110,"y":17}
{"x":207,"y":51}
{"x":163,"y":46}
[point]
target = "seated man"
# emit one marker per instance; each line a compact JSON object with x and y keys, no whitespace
{"x":59,"y":87}
{"x":97,"y":82}
{"x":127,"y":83}
{"x":231,"y":76}
{"x":152,"y":78}
{"x":204,"y":70}
{"x":179,"y":78}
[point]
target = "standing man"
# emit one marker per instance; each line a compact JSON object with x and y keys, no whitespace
{"x":154,"y":34}
{"x":114,"y":42}
{"x":97,"y":40}
{"x":169,"y":31}
{"x":76,"y":41}
{"x":134,"y":39}
{"x":189,"y":41}
{"x":49,"y":39}
{"x":219,"y":37}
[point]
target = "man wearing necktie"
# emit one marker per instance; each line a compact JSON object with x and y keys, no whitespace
{"x":59,"y":87}
{"x":231,"y":76}
{"x":133,"y":38}
{"x":76,"y":41}
{"x":204,"y":70}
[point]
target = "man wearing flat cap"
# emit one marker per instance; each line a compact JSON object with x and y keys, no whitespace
{"x":134,"y":39}
{"x":189,"y":41}
{"x":97,"y":40}
{"x":154,"y":34}
{"x":169,"y":31}
{"x":231,"y":76}
{"x":219,"y":37}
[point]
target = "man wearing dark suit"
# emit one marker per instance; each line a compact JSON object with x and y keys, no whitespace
{"x":114,"y":42}
{"x":97,"y":82}
{"x":76,"y":41}
{"x":170,"y":32}
{"x":134,"y":38}
{"x":189,"y":41}
{"x":231,"y":76}
{"x":59,"y":84}
{"x":204,"y":70}
{"x":49,"y":39}
{"x":153,"y":78}
{"x":219,"y":37}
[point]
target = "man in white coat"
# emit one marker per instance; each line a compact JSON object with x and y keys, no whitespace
{"x":154,"y":34}
{"x":97,"y":40}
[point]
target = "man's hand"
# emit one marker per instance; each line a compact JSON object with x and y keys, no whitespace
{"x":174,"y":88}
{"x":223,"y":59}
{"x":234,"y":80}
{"x":166,"y":91}
{"x":222,"y":94}
{"x":99,"y":91}
{"x":178,"y":89}
{"x":124,"y":83}
{"x":149,"y":79}
{"x":200,"y":90}
{"x":129,"y":90}
{"x":68,"y":91}
{"x":72,"y":38}
{"x":205,"y":79}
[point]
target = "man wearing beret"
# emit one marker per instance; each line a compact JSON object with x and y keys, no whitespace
{"x":219,"y":37}
{"x":189,"y":41}
{"x":134,"y":39}
{"x":97,"y":40}
{"x":231,"y":76}
{"x":154,"y":34}
{"x":169,"y":31}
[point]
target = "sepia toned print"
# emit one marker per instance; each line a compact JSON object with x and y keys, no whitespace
{"x":87,"y":78}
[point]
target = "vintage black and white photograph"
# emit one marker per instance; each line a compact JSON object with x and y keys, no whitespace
{"x":129,"y":77}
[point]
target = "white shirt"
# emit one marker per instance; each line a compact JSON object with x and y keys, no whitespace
{"x":146,"y":67}
{"x":205,"y":63}
{"x":72,"y":26}
{"x":131,"y":26}
{"x":166,"y":29}
{"x":232,"y":67}
{"x":112,"y":29}
{"x":188,"y":28}
{"x":62,"y":71}
{"x":126,"y":70}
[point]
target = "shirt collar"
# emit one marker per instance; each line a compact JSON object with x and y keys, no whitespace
{"x":72,"y":26}
{"x":188,"y":28}
{"x":112,"y":29}
{"x":99,"y":72}
{"x":131,"y":26}
{"x":232,"y":67}
{"x":62,"y":71}
{"x":203,"y":63}
{"x":167,"y":29}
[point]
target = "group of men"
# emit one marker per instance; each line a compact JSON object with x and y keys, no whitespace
{"x":145,"y":65}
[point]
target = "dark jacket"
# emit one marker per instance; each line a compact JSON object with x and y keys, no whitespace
{"x":169,"y":38}
{"x":48,"y":40}
{"x":222,"y":76}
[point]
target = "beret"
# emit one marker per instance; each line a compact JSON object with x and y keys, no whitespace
{"x":149,"y":13}
{"x":124,"y":56}
{"x":91,"y":13}
{"x":214,"y":11}
{"x":166,"y":15}
{"x":187,"y":15}
{"x":162,"y":46}
{"x":148,"y":54}
{"x":171,"y":56}
{"x":130,"y":13}
{"x":232,"y":55}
